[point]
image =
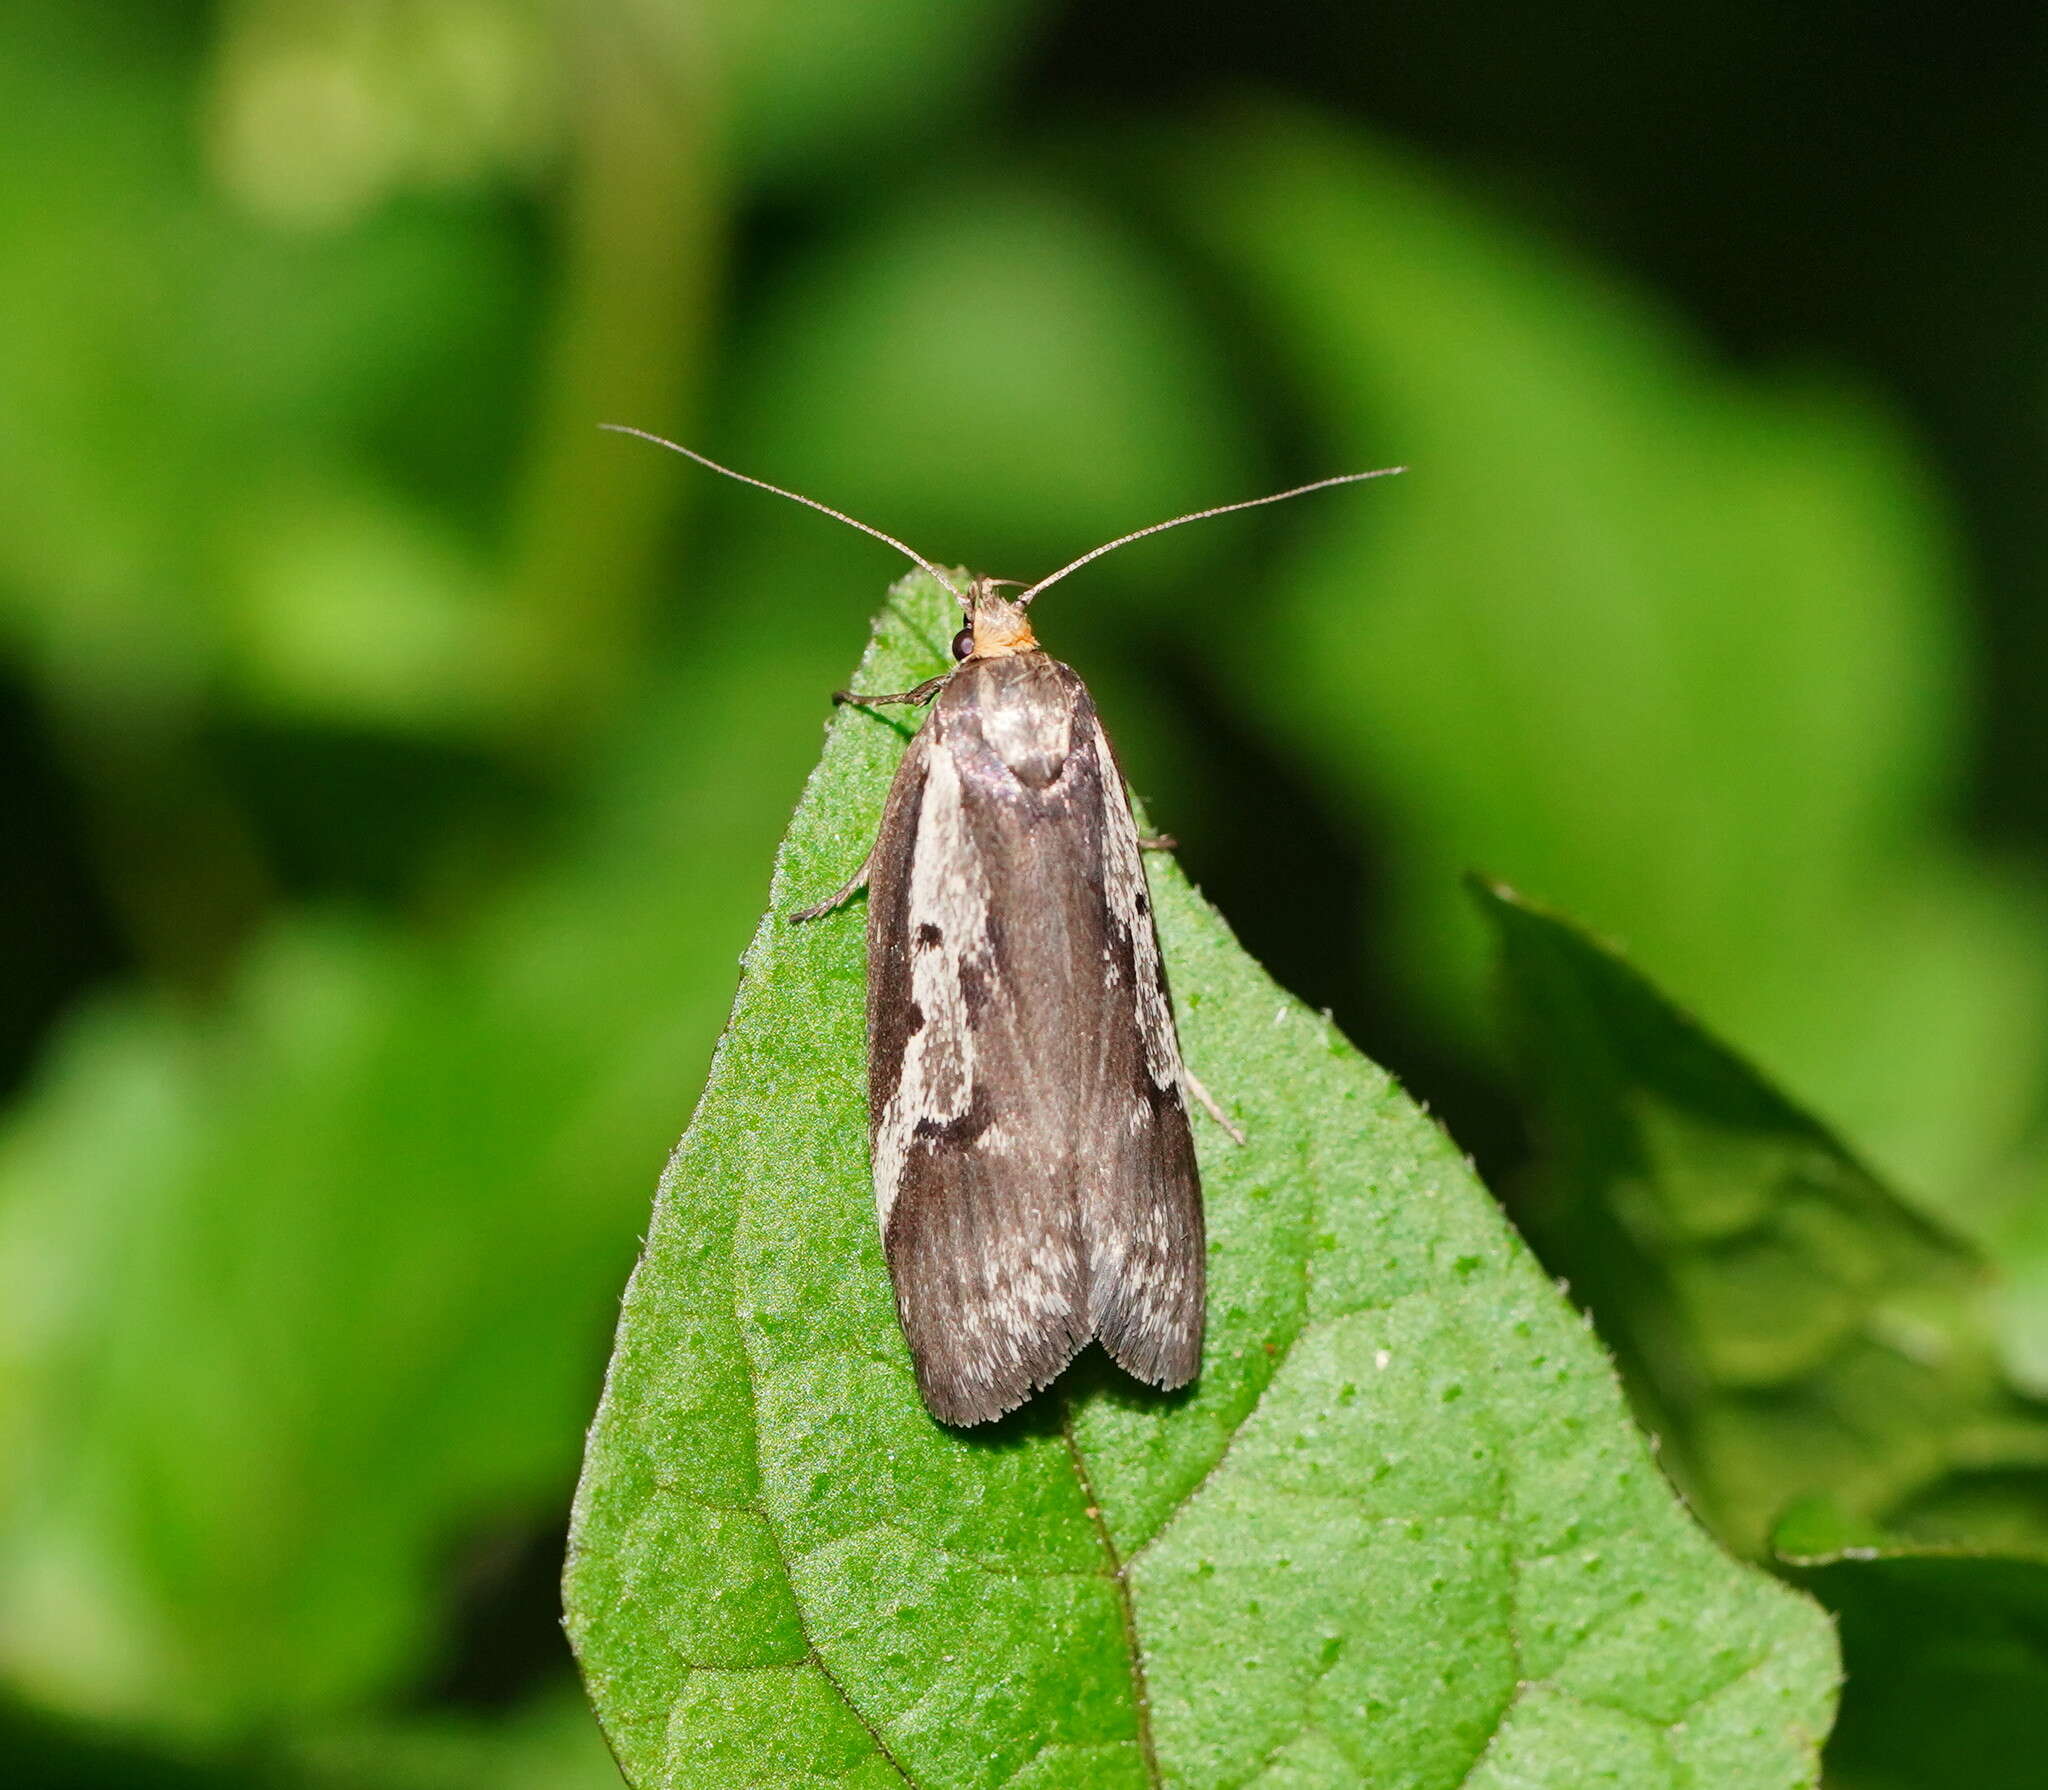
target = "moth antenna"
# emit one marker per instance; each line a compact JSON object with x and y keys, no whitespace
{"x":676,"y":447}
{"x":1221,"y":509}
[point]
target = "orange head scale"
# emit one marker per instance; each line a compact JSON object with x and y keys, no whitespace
{"x":997,"y":626}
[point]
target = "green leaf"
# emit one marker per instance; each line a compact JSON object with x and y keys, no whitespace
{"x":1946,"y":1650}
{"x":1400,"y":1531}
{"x":1788,"y":1326}
{"x":1814,"y":1353}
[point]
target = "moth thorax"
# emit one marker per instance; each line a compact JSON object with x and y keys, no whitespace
{"x":1000,"y":627}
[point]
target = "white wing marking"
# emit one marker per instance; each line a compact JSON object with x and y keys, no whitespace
{"x":947,"y":891}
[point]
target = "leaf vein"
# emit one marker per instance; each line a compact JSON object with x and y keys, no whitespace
{"x":1126,"y":1609}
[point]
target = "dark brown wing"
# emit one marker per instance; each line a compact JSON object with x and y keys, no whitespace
{"x":1033,"y":1166}
{"x":1142,"y":1205}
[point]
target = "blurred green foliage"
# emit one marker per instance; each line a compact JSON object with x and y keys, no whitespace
{"x":1790,"y":1327}
{"x":396,"y":761}
{"x":1946,"y":1648}
{"x":1810,"y":1351}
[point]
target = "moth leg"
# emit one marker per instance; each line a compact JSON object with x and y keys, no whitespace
{"x":1158,"y":842}
{"x":923,"y":693}
{"x":1209,"y":1100}
{"x":839,"y":896}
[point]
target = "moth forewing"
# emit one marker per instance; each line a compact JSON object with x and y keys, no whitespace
{"x":1146,"y":1236}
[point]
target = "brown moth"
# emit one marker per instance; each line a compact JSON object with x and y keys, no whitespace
{"x":1034,"y":1171}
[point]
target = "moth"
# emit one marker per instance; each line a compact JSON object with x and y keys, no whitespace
{"x":1034,"y":1170}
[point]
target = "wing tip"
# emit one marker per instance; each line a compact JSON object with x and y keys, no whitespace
{"x":962,"y":1401}
{"x":1168,"y":1363}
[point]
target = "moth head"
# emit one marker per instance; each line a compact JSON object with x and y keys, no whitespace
{"x":996,"y":627}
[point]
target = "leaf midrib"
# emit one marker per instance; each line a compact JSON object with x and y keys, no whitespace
{"x":1120,"y":1585}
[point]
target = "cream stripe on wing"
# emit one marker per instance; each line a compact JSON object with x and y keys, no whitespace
{"x":947,"y":891}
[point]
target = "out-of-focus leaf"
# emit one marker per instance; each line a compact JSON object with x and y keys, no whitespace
{"x":1814,"y":1354}
{"x":321,"y":110}
{"x":1677,"y":651}
{"x":44,"y":1753}
{"x":300,"y":1293}
{"x":1399,"y":1530}
{"x":295,"y":1292}
{"x":1789,"y":1327}
{"x":2021,"y":1243}
{"x":354,"y":609}
{"x":819,"y":86}
{"x":1946,"y":1651}
{"x":182,"y":394}
{"x":551,"y":1745}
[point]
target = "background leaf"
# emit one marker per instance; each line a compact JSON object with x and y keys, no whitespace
{"x":1788,"y":1325}
{"x":1399,"y":1528}
{"x":1814,"y":1354}
{"x":1946,"y":1649}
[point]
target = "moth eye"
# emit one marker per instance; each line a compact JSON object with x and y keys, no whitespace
{"x":963,"y":643}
